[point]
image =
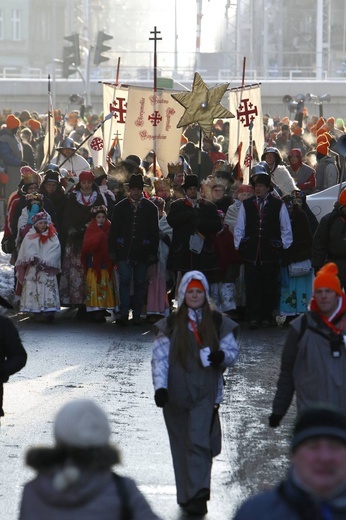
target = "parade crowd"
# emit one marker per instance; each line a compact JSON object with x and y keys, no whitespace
{"x":193,"y":253}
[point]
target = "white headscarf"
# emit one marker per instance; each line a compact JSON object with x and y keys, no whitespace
{"x":186,"y":279}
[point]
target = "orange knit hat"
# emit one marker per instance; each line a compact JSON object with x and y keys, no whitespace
{"x":324,"y":137}
{"x":195,"y":283}
{"x":342,"y":198}
{"x":34,"y":125}
{"x":12,"y":121}
{"x":320,"y":123}
{"x":323,"y":147}
{"x":327,"y":277}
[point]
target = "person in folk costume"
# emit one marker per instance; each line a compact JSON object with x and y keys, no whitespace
{"x":163,"y":190}
{"x":222,"y":283}
{"x":32,"y":182}
{"x":70,"y":160}
{"x":101,"y":179}
{"x":133,"y":244}
{"x":244,"y":191}
{"x":192,"y":216}
{"x":37,"y":265}
{"x":303,"y":174}
{"x":29,"y":183}
{"x":157,"y":297}
{"x":34,"y":205}
{"x":52,"y":188}
{"x":192,"y":348}
{"x":296,"y":291}
{"x":213,"y":149}
{"x":77,"y":214}
{"x":176,"y":176}
{"x":262,"y":231}
{"x":281,"y":178}
{"x":100,"y":286}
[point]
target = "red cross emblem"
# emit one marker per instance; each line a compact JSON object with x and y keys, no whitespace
{"x":246,"y":112}
{"x":119,"y":106}
{"x":96,"y":144}
{"x":155,"y":118}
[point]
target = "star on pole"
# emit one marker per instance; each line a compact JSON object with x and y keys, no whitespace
{"x":202,"y":105}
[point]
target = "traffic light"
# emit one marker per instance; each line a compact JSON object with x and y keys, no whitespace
{"x":100,"y":47}
{"x":71,"y":55}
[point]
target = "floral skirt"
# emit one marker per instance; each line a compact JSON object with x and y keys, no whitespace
{"x":39,"y":292}
{"x":223,"y":295}
{"x":100,"y":294}
{"x":72,"y":281}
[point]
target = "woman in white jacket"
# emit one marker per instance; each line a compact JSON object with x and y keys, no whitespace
{"x":192,"y":348}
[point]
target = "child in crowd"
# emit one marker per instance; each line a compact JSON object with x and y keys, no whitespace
{"x":37,"y":266}
{"x":100,"y":283}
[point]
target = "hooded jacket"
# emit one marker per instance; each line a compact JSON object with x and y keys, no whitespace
{"x":309,"y":368}
{"x":94,"y":494}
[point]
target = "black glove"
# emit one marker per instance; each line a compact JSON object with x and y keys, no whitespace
{"x":216,"y":357}
{"x":161,"y":397}
{"x":274,"y":420}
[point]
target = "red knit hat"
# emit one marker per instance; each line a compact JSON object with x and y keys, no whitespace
{"x":195,"y":283}
{"x":342,"y":198}
{"x":12,"y":122}
{"x":86,"y":176}
{"x":327,"y":277}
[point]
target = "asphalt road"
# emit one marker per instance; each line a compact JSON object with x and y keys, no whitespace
{"x":72,"y":359}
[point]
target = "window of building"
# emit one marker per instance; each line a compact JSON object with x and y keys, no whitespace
{"x":16,"y":24}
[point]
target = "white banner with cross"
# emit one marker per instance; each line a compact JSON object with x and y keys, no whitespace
{"x":246,"y":135}
{"x":114,"y":100}
{"x":151,"y":125}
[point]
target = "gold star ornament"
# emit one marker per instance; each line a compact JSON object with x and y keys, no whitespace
{"x":202,"y":105}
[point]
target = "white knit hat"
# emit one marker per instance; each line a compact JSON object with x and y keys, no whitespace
{"x":81,"y":423}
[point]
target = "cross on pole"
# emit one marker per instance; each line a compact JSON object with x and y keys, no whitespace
{"x":114,"y":152}
{"x":155,"y":38}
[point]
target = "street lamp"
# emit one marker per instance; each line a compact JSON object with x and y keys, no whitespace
{"x":318,"y":100}
{"x":296,"y":105}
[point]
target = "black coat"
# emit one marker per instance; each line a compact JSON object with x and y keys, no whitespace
{"x":262,"y":241}
{"x":75,"y":218}
{"x":185,"y":221}
{"x":12,"y":353}
{"x":134,"y":234}
{"x":329,"y":244}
